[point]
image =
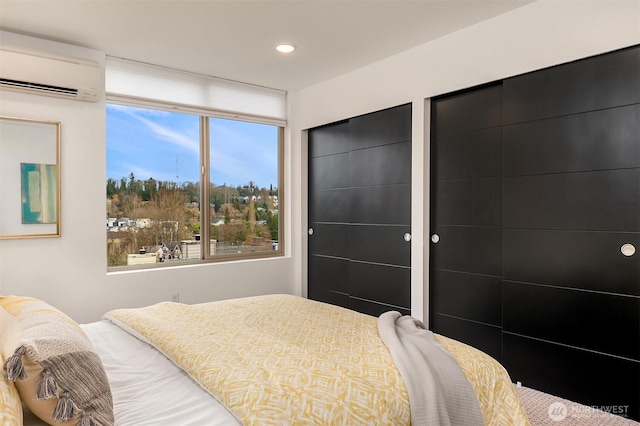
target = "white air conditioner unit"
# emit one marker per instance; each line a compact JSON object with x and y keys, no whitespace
{"x":50,"y":75}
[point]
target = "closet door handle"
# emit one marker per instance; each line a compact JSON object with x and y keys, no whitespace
{"x":628,"y":249}
{"x":435,"y":238}
{"x":407,"y":237}
{"x":310,"y":231}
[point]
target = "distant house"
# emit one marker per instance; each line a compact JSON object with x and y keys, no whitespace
{"x":143,"y":223}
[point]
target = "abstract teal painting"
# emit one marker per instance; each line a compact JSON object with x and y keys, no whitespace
{"x":39,"y":193}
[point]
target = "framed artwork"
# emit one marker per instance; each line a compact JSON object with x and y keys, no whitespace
{"x":30,"y":178}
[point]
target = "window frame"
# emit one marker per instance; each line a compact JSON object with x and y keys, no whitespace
{"x":205,"y":183}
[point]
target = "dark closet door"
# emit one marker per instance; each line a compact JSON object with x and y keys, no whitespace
{"x":466,"y":218}
{"x":536,"y":221}
{"x":571,"y":202}
{"x":360,"y":212}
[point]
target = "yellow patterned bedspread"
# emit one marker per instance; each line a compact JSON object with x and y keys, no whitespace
{"x":499,"y":400}
{"x":284,"y":360}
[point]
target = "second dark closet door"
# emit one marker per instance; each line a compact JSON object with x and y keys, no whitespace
{"x":360,"y":212}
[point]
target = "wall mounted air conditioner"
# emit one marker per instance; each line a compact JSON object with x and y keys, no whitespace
{"x":50,"y":75}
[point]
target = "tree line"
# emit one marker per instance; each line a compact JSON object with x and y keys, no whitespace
{"x":238,"y":214}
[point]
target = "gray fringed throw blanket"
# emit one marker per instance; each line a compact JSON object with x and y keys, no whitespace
{"x":439,"y":393}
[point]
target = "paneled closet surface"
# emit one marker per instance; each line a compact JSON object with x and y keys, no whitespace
{"x":535,"y":207}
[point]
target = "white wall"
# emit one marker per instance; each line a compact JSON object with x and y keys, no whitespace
{"x":536,"y":36}
{"x":70,"y":272}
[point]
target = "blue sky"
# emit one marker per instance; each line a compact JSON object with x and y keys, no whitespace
{"x":163,"y":145}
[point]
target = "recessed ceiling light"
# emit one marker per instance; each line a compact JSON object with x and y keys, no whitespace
{"x":285,"y":48}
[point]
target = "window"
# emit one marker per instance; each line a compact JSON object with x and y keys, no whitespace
{"x":243,"y":187}
{"x":194,"y":167}
{"x":159,"y":160}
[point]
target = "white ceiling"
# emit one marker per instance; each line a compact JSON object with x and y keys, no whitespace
{"x":236,"y":39}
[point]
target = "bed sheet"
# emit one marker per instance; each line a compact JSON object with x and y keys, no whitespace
{"x":149,"y":389}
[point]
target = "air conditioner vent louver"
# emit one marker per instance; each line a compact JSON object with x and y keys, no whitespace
{"x":36,"y":86}
{"x":42,"y":73}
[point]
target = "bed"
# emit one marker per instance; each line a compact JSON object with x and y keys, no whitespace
{"x":274,"y":359}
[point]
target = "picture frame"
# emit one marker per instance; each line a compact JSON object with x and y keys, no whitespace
{"x":30,"y":178}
